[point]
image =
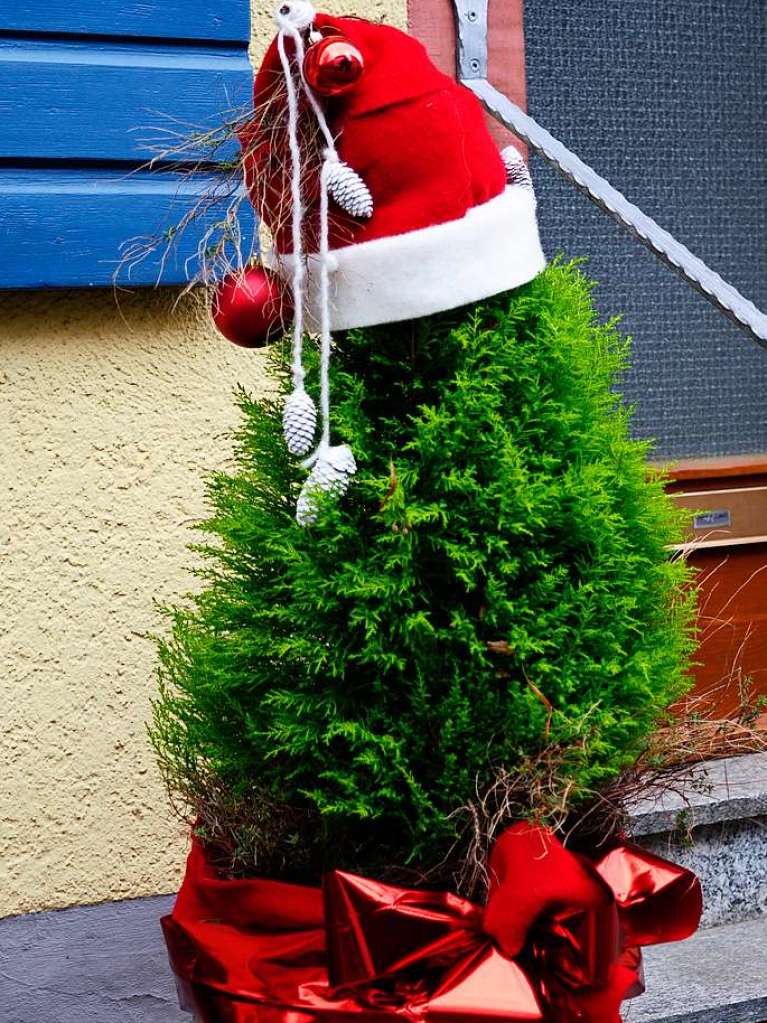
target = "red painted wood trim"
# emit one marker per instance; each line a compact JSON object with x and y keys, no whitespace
{"x":714,"y":473}
{"x":432,"y":21}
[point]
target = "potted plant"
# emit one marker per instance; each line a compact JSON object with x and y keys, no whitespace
{"x":423,"y":694}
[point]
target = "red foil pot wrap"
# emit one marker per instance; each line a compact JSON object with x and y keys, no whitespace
{"x":558,"y":940}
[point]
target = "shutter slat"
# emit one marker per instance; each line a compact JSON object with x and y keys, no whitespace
{"x":217,"y":20}
{"x":51,"y":219}
{"x":90,"y":90}
{"x":77,"y":101}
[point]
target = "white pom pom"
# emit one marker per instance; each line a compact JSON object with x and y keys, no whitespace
{"x":299,"y":422}
{"x":347,"y":188}
{"x":332,"y":473}
{"x":296,"y":14}
{"x":516,"y":168}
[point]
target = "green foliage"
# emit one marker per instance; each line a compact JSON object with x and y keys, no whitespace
{"x":496,"y":582}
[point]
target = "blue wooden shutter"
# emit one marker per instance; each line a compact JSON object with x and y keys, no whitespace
{"x":88,"y":89}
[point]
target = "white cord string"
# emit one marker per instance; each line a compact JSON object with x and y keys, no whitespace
{"x":297,"y":211}
{"x":319,"y":113}
{"x":314,"y":103}
{"x":287,"y":28}
{"x":332,"y":468}
{"x":325,"y":336}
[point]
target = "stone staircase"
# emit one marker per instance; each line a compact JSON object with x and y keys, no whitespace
{"x":720,"y":974}
{"x":107,"y":963}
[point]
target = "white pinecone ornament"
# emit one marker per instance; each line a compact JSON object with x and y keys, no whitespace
{"x":346,"y":187}
{"x":516,"y":168}
{"x":332,"y":473}
{"x":299,"y":422}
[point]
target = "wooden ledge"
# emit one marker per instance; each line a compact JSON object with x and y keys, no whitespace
{"x":714,"y":471}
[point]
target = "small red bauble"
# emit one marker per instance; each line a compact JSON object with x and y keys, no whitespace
{"x":333,"y":65}
{"x":250,"y":308}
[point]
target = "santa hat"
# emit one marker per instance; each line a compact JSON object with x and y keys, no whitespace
{"x":385,"y":195}
{"x":453,"y":219}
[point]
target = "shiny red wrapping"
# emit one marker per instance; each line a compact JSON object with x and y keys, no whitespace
{"x":558,"y":940}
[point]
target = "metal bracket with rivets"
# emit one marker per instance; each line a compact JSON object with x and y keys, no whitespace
{"x":472,"y":58}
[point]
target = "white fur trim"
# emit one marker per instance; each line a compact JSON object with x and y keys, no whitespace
{"x":493,"y":248}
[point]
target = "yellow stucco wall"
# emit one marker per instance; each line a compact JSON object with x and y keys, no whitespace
{"x":392,"y":11}
{"x":110,"y":416}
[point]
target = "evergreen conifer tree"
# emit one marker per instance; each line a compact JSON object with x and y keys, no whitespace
{"x":492,"y":607}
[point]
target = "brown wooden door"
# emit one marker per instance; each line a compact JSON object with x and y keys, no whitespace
{"x":728,"y":546}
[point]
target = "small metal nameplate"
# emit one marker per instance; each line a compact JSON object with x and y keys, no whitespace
{"x":719,"y":519}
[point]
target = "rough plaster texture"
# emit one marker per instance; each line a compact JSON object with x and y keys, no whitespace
{"x":110,"y":416}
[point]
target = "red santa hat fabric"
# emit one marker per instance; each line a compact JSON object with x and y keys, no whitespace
{"x":448,"y":226}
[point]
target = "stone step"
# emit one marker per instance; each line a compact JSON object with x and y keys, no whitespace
{"x":717,"y":976}
{"x":725,"y":811}
{"x":722,"y":790}
{"x":107,"y":964}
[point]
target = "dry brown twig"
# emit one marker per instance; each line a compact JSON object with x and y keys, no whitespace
{"x":196,"y":154}
{"x":540,"y":788}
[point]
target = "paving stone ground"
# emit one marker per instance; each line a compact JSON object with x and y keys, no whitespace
{"x":93,"y":964}
{"x":717,"y":976}
{"x":107,"y":964}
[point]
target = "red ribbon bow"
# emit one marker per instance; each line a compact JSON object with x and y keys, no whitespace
{"x":558,"y":940}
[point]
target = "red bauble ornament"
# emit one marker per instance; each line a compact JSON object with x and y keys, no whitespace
{"x":250,"y":308}
{"x":333,"y":65}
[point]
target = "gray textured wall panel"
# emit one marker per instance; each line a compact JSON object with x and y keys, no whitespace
{"x":666,"y":99}
{"x":93,"y":964}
